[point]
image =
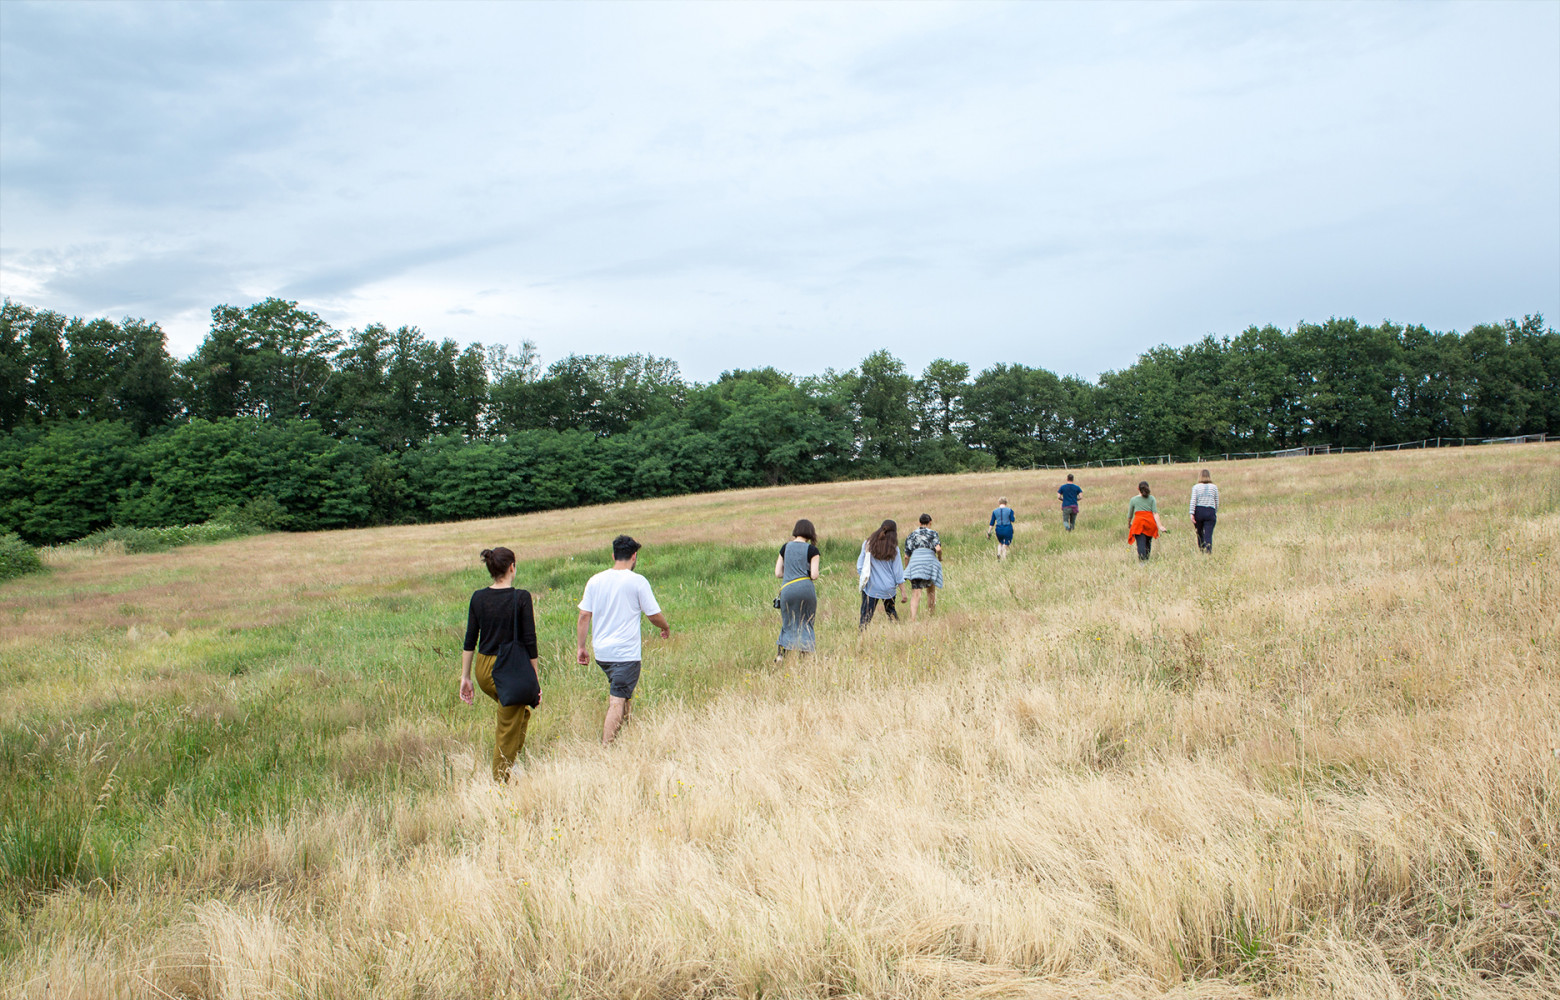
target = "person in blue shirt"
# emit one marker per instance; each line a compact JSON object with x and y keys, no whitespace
{"x":1069,"y":492}
{"x":882,"y":574}
{"x":1002,"y":526}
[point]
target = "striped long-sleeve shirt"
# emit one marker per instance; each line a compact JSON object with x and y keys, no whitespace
{"x":1203,"y":495}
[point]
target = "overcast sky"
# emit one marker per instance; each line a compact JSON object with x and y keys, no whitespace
{"x":735,"y":185}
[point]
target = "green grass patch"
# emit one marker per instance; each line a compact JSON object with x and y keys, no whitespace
{"x":356,"y":699}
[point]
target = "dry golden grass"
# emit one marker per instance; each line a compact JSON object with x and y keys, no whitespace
{"x":1324,"y":762}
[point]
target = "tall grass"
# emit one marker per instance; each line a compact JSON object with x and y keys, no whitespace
{"x":1322,"y":762}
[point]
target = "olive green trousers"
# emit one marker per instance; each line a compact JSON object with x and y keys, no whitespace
{"x":509,"y":731}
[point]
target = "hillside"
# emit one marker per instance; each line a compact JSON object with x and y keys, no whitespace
{"x":1321,"y":762}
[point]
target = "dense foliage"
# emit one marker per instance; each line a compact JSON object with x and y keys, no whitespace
{"x":103,"y":427}
{"x":17,"y":558}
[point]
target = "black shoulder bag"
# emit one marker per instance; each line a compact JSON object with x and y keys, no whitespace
{"x":513,"y":677}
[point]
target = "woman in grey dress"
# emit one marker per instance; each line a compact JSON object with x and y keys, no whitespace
{"x":798,"y":567}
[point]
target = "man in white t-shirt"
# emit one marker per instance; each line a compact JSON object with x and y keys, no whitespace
{"x":609,"y":616}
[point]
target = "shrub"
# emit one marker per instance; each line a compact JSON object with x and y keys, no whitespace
{"x":17,"y":558}
{"x":263,"y":513}
{"x":162,"y":539}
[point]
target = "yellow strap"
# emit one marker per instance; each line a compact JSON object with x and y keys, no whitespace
{"x":797,"y":580}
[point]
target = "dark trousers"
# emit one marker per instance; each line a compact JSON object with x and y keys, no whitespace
{"x":1145,"y":545}
{"x":1204,"y":518}
{"x":869,"y":605}
{"x":1069,"y":518}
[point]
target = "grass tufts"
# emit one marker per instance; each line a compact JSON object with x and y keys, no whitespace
{"x":1320,"y":762}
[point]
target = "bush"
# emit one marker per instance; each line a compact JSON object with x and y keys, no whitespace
{"x":17,"y":558}
{"x":61,"y":483}
{"x":262,"y":513}
{"x":980,"y":461}
{"x":162,"y":539}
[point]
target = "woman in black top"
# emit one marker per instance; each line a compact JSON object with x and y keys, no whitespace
{"x":798,"y":603}
{"x":490,"y":622}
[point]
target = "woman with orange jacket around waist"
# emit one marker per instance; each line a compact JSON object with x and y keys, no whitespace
{"x":1143,"y":521}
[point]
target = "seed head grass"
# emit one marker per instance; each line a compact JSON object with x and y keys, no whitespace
{"x":1322,"y":761}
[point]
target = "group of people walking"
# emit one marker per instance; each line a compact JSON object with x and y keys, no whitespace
{"x":881,"y":576}
{"x":1143,"y":524}
{"x":500,"y":653}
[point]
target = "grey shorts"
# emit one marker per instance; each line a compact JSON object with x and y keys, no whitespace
{"x":923,"y":584}
{"x":622,"y":677}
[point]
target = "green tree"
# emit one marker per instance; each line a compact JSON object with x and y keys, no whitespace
{"x":1017,"y":415}
{"x":147,"y":392}
{"x":36,"y":351}
{"x":768,"y":430}
{"x":940,"y":393}
{"x":58,"y":369}
{"x":187,"y":473}
{"x":1259,"y":384}
{"x":60,"y":482}
{"x":1435,"y":385}
{"x":1346,"y":375}
{"x":270,"y":360}
{"x":355,"y":403}
{"x":884,"y":401}
{"x":510,"y":380}
{"x":1510,"y":366}
{"x":15,"y":320}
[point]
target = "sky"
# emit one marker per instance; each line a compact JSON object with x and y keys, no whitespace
{"x":736,"y":185}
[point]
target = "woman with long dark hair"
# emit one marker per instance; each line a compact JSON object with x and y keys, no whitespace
{"x":499,"y":614}
{"x":798,"y":567}
{"x":882,"y":575}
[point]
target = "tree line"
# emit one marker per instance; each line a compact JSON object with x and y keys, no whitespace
{"x":100,"y":425}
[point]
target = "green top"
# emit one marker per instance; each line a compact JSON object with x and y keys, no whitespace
{"x":1141,"y":502}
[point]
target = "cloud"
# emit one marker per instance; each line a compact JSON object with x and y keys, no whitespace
{"x":151,"y":104}
{"x":339,"y":279}
{"x":152,"y":285}
{"x":739,"y":185}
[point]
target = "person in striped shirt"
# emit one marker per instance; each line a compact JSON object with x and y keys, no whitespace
{"x":1205,"y":511}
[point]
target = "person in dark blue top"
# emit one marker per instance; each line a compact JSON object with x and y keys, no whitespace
{"x":1002,"y":526}
{"x":1069,"y":492}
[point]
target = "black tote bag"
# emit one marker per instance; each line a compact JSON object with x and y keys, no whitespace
{"x":513,"y":677}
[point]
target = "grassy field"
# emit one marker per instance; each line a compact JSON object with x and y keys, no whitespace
{"x":1324,"y":761}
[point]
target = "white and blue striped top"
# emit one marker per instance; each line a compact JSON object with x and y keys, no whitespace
{"x":1203,"y":495}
